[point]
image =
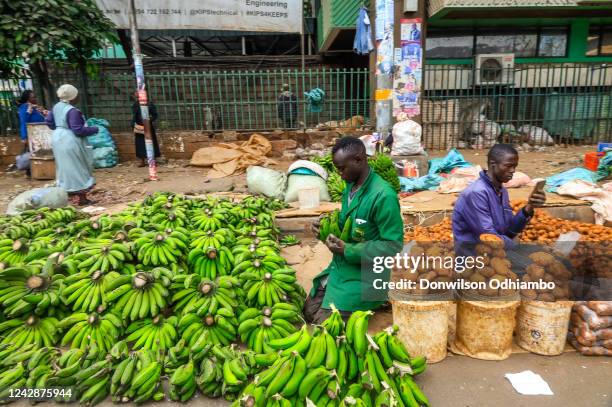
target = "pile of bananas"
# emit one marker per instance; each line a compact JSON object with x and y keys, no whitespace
{"x":345,"y":368}
{"x":330,"y":225}
{"x":257,"y":328}
{"x":165,"y":289}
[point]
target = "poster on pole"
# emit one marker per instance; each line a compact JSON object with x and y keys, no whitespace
{"x":408,"y":78}
{"x":384,"y":37}
{"x":233,"y":15}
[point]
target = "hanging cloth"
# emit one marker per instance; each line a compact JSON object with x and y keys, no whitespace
{"x":363,"y":38}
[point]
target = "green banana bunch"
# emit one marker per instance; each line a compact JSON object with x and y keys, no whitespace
{"x":329,"y":225}
{"x":208,"y":220}
{"x":198,"y":332}
{"x":325,"y":161}
{"x":194,"y":294}
{"x":155,"y":334}
{"x":103,"y":255}
{"x":409,"y":391}
{"x":289,"y":240}
{"x":119,"y":350}
{"x":93,"y":383}
{"x":266,"y":288}
{"x":14,"y":378}
{"x":258,"y":327}
{"x":250,"y":244}
{"x":179,"y":355}
{"x":13,"y":252}
{"x":101,"y":329}
{"x":210,"y":378}
{"x":170,"y":217}
{"x":85,"y":291}
{"x":30,"y":330}
{"x":335,"y":186}
{"x":323,"y":351}
{"x":257,"y":231}
{"x":262,"y":219}
{"x":141,"y":294}
{"x":138,"y":379}
{"x":24,"y":290}
{"x":334,"y":324}
{"x":383,"y":165}
{"x":161,"y":248}
{"x":356,"y":330}
{"x":216,"y":239}
{"x":210,"y":262}
{"x":392,"y":350}
{"x":298,"y":341}
{"x":39,"y":367}
{"x":183,"y":382}
{"x":11,"y":354}
{"x":19,"y":230}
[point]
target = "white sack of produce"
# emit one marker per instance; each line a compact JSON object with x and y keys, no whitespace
{"x":478,"y":124}
{"x":407,"y":138}
{"x":537,"y":135}
{"x":51,"y":197}
{"x":266,"y":181}
{"x":491,"y":130}
{"x":519,"y":179}
{"x":300,"y":181}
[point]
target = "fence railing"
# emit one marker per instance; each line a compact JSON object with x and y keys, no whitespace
{"x":570,"y":103}
{"x":540,"y":104}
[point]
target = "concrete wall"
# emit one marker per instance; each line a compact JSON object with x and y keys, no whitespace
{"x":182,"y":144}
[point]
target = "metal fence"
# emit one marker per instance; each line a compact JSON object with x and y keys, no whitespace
{"x":226,"y":100}
{"x":568,"y":103}
{"x":540,"y":104}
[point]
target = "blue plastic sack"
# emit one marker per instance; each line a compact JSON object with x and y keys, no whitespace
{"x":555,"y":181}
{"x":446,"y":164}
{"x":105,"y":157}
{"x":605,"y":166}
{"x":426,"y":182}
{"x":103,"y":137}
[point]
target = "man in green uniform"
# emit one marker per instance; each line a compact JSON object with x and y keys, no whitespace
{"x":377,"y":230}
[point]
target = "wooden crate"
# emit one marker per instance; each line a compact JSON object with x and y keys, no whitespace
{"x":42,"y":168}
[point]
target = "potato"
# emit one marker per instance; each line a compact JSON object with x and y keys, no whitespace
{"x":482,"y":249}
{"x":489,"y":292}
{"x":491,"y":240}
{"x":501,"y":266}
{"x":478,"y":278}
{"x":542,"y":258}
{"x":487,"y":271}
{"x":535,"y":271}
{"x":529,"y":294}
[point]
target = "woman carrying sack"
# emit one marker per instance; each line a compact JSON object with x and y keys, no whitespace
{"x":139,"y":138}
{"x":73,"y":162}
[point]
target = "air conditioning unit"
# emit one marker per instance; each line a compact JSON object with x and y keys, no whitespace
{"x":494,"y":69}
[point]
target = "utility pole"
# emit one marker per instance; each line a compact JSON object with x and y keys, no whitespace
{"x":384,"y":33}
{"x":142,"y":93}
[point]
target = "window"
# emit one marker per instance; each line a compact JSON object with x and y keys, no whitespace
{"x":600,"y":41}
{"x":524,"y":43}
{"x":553,"y":42}
{"x":447,"y":45}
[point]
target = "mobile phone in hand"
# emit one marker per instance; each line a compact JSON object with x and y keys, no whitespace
{"x":539,"y":187}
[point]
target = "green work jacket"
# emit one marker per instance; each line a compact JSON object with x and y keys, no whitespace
{"x":377,"y":230}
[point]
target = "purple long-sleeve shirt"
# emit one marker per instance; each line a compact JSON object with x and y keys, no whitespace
{"x":76,"y":123}
{"x":482,"y":209}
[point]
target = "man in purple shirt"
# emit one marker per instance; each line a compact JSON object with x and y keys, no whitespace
{"x":484,"y":206}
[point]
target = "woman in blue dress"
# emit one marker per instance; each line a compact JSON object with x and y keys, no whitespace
{"x":73,"y":162}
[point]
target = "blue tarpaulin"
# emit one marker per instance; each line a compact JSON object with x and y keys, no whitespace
{"x":424,"y":183}
{"x":555,"y":181}
{"x":446,"y":164}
